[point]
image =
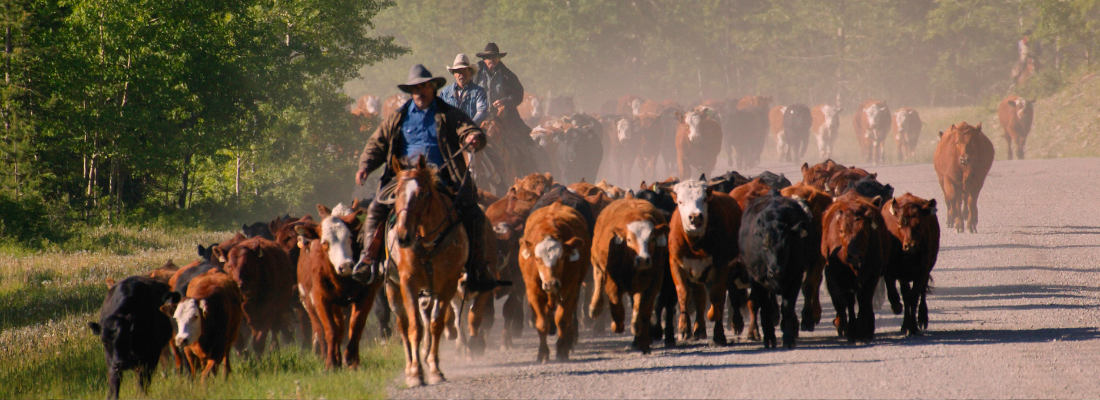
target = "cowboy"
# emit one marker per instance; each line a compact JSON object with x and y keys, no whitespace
{"x":464,"y":94}
{"x":437,"y":131}
{"x":504,"y":92}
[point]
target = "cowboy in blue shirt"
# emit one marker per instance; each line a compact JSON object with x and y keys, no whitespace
{"x":464,"y":94}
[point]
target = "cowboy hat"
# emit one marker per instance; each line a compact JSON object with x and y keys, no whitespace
{"x":491,"y":51}
{"x":417,"y":75}
{"x":461,"y":61}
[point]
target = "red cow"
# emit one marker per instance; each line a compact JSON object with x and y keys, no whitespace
{"x":907,"y":126}
{"x":698,"y":141}
{"x":554,"y":259}
{"x":208,"y":321}
{"x":872,"y":123}
{"x":267,"y":281}
{"x":702,"y":244}
{"x":1016,"y":114}
{"x":818,"y":175}
{"x":775,"y":120}
{"x":825,"y":128}
{"x":856,"y":248}
{"x":962,"y":160}
{"x":915,"y":244}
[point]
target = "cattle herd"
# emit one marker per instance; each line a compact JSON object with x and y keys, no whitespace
{"x":678,"y":247}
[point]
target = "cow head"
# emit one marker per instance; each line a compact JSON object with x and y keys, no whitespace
{"x":373,"y":105}
{"x":1023,"y":106}
{"x":116,"y":333}
{"x":691,"y":198}
{"x":878,"y":118}
{"x":909,"y":213}
{"x":784,"y":226}
{"x":964,"y":134}
{"x":854,"y":223}
{"x":692,"y":120}
{"x":189,"y":316}
{"x":643,"y":237}
{"x":818,"y":175}
{"x":831,"y":114}
{"x":550,"y":255}
{"x":626,"y":129}
{"x":636,"y":106}
{"x":338,"y":228}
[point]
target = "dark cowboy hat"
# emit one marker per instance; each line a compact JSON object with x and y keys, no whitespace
{"x":491,"y":51}
{"x":417,"y":75}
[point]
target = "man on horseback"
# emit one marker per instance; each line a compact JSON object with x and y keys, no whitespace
{"x":505,"y":93}
{"x":464,"y":94}
{"x":428,"y":127}
{"x":1029,"y":50}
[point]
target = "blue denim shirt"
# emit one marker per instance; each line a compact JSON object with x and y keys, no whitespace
{"x":474,"y":101}
{"x":420,"y":133}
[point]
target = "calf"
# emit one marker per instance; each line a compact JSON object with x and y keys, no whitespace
{"x":818,"y":201}
{"x":915,"y":244}
{"x":133,"y":330}
{"x":701,"y":248}
{"x":962,"y":160}
{"x":698,"y":141}
{"x":826,"y":128}
{"x":776,"y":249}
{"x":907,"y":126}
{"x":326,"y":287}
{"x":872,"y":123}
{"x":1015,"y":114}
{"x":792,"y":141}
{"x":267,"y":281}
{"x":554,"y":257}
{"x":208,"y":321}
{"x":855,"y":249}
{"x":629,"y":256}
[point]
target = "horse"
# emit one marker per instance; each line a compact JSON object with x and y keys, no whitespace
{"x":427,"y":248}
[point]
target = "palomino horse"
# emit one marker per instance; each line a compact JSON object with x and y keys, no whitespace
{"x":428,"y":246}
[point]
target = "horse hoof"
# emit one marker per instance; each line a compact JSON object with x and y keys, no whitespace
{"x":413,"y":381}
{"x":435,"y":378}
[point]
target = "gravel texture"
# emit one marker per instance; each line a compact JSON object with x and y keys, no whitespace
{"x":1013,"y":315}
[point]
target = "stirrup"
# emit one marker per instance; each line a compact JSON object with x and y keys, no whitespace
{"x":371,"y":268}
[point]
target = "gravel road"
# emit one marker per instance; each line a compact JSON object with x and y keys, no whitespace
{"x":1014,"y":314}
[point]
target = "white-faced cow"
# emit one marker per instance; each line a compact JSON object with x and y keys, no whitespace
{"x":826,"y":128}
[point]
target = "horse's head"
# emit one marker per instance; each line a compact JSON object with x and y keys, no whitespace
{"x":412,"y":198}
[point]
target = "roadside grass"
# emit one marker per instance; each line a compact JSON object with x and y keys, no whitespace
{"x":47,"y":297}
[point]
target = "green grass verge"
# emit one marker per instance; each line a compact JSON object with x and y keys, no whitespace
{"x":46,"y":350}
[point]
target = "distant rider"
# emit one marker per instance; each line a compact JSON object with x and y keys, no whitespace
{"x":464,"y":94}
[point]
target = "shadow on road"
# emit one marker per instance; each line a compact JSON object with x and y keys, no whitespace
{"x":1015,"y":246}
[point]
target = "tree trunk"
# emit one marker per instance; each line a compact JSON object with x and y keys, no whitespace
{"x":181,"y":198}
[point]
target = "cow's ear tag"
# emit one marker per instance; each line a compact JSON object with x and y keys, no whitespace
{"x":803,"y":233}
{"x":526,"y":254}
{"x":575,"y":256}
{"x":259,"y":253}
{"x":662,"y":240}
{"x":618,"y":239}
{"x":874,"y":225}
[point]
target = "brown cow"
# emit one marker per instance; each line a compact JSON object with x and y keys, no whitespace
{"x":702,"y":244}
{"x":749,"y":128}
{"x":818,"y":175}
{"x":698,"y":141}
{"x":843,"y":179}
{"x":393,"y":103}
{"x":326,"y":287}
{"x":825,"y":128}
{"x":818,"y":201}
{"x":629,"y":105}
{"x":208,"y":321}
{"x":267,"y":281}
{"x":856,"y":248}
{"x":163,"y":273}
{"x":871,"y":123}
{"x":612,"y":191}
{"x":775,"y":120}
{"x":508,"y":216}
{"x":745,"y":193}
{"x":536,"y":182}
{"x":554,"y":259}
{"x":915,"y":244}
{"x":593,"y":195}
{"x":629,"y":256}
{"x":1016,"y":114}
{"x":962,"y":160}
{"x":219,"y":254}
{"x":907,"y":126}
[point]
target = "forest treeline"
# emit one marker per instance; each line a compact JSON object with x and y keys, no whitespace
{"x":132,"y":110}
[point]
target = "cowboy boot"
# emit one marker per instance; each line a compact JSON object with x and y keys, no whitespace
{"x":367,"y":269}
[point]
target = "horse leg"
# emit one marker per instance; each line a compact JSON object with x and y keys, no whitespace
{"x":438,"y":308}
{"x":478,"y":311}
{"x":408,"y":321}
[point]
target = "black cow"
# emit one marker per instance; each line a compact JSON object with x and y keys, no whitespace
{"x":773,"y":180}
{"x":727,"y":182}
{"x":870,"y":188}
{"x":581,"y":150}
{"x":776,"y":250}
{"x":133,"y":329}
{"x":568,"y":198}
{"x":795,"y":137}
{"x":260,"y":229}
{"x":207,"y":252}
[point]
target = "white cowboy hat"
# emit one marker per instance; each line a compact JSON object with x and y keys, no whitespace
{"x":461,"y":61}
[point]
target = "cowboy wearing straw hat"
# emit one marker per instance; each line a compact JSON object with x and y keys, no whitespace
{"x":435,"y":130}
{"x":464,"y":94}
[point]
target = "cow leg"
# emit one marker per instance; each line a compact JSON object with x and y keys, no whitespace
{"x":679,"y":162}
{"x":763,"y":298}
{"x":513,"y":318}
{"x":539,"y":305}
{"x":599,"y":286}
{"x":666,"y":302}
{"x":811,"y":295}
{"x":643,"y":309}
{"x":699,"y":296}
{"x":615,"y":303}
{"x":114,"y":380}
{"x":837,"y":295}
{"x":972,"y":211}
{"x":334,"y":335}
{"x":564,"y":319}
{"x":717,"y":306}
{"x":682,"y":295}
{"x":909,"y":320}
{"x":753,"y":331}
{"x":737,"y":299}
{"x":892,"y":293}
{"x":866,"y":317}
{"x":789,"y":321}
{"x":1008,"y":143}
{"x":922,"y":312}
{"x":1020,"y":147}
